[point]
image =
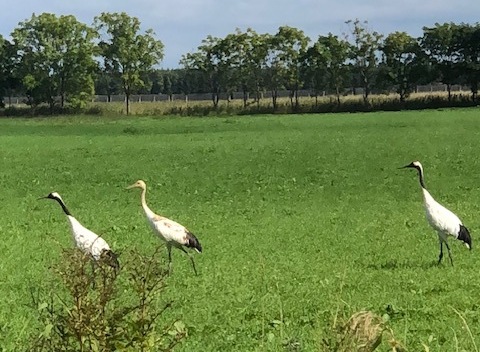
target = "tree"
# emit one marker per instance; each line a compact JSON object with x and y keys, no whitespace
{"x":168,"y":84}
{"x":107,"y":81}
{"x":55,"y":59}
{"x":289,"y":46}
{"x":9,"y":81}
{"x":365,"y":54}
{"x":192,"y":81}
{"x":156,"y":77}
{"x":245,"y":56}
{"x":469,"y":55}
{"x":401,"y":54}
{"x":210,"y":60}
{"x":126,"y":52}
{"x":441,"y":45}
{"x":326,"y":63}
{"x":3,"y":61}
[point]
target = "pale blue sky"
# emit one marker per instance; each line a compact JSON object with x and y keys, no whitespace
{"x":182,"y":24}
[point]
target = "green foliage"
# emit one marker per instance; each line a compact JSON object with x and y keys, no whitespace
{"x":99,"y":309}
{"x":126,"y":52}
{"x":403,"y":58}
{"x":288,"y":47}
{"x":55,"y":59}
{"x":441,"y":44}
{"x":326,"y":64}
{"x":366,"y":45}
{"x":246,"y":55}
{"x":210,"y":60}
{"x":469,"y":49}
{"x":9,"y":81}
{"x":52,"y":61}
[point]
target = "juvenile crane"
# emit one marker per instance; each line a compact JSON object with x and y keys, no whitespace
{"x":168,"y":230}
{"x":440,"y":218}
{"x":86,"y":240}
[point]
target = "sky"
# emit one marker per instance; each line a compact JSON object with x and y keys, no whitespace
{"x":182,"y":24}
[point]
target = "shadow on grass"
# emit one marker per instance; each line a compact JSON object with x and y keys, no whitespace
{"x":405,"y":264}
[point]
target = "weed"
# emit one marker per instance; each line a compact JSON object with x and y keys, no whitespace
{"x":97,"y":311}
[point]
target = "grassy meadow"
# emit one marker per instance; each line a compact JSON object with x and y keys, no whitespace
{"x":304,"y":220}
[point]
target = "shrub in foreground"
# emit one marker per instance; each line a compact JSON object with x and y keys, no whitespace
{"x":99,"y":309}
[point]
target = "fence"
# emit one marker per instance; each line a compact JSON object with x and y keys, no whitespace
{"x":430,"y":88}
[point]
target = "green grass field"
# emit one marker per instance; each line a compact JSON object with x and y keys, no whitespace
{"x":302,"y":218}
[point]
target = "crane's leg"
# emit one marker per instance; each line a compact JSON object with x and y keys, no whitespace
{"x":440,"y":256}
{"x":449,"y":253}
{"x":169,"y":248}
{"x":191,"y":258}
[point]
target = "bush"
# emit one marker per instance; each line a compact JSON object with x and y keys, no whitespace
{"x":100,"y":309}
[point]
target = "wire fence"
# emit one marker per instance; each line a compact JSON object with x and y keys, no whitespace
{"x":430,"y":88}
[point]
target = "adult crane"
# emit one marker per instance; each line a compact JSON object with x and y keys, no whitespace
{"x":86,"y":240}
{"x":440,"y":218}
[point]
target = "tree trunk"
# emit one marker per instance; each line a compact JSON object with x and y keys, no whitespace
{"x":474,"y":89}
{"x":127,"y":102}
{"x":245,"y":96}
{"x":366,"y":93}
{"x":215,"y":99}
{"x":297,"y":102}
{"x":274,"y":99}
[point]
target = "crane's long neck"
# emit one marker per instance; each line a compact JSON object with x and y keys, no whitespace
{"x":420,"y":177}
{"x":64,"y":207}
{"x":145,"y":207}
{"x":427,"y":197}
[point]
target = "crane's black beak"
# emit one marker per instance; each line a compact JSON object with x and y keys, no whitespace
{"x":47,"y":197}
{"x":407,"y":166}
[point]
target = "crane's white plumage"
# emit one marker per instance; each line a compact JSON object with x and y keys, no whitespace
{"x":442,"y":220}
{"x":86,"y":240}
{"x":171,"y":232}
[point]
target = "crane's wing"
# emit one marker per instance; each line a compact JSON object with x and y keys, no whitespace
{"x":172,"y":231}
{"x":443,"y":220}
{"x":90,"y":242}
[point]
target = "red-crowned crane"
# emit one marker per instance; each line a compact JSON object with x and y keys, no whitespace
{"x":168,"y":230}
{"x":86,"y":240}
{"x":440,"y":218}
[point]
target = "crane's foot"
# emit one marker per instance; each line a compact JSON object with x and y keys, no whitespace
{"x":193,"y":264}
{"x":451,"y":260}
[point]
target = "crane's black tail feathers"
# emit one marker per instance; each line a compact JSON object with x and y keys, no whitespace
{"x":464,"y":235}
{"x":111,"y":259}
{"x":193,"y":242}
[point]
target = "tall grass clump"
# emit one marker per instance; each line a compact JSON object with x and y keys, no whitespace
{"x":96,"y":308}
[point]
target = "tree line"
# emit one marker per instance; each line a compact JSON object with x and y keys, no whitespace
{"x":58,"y":60}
